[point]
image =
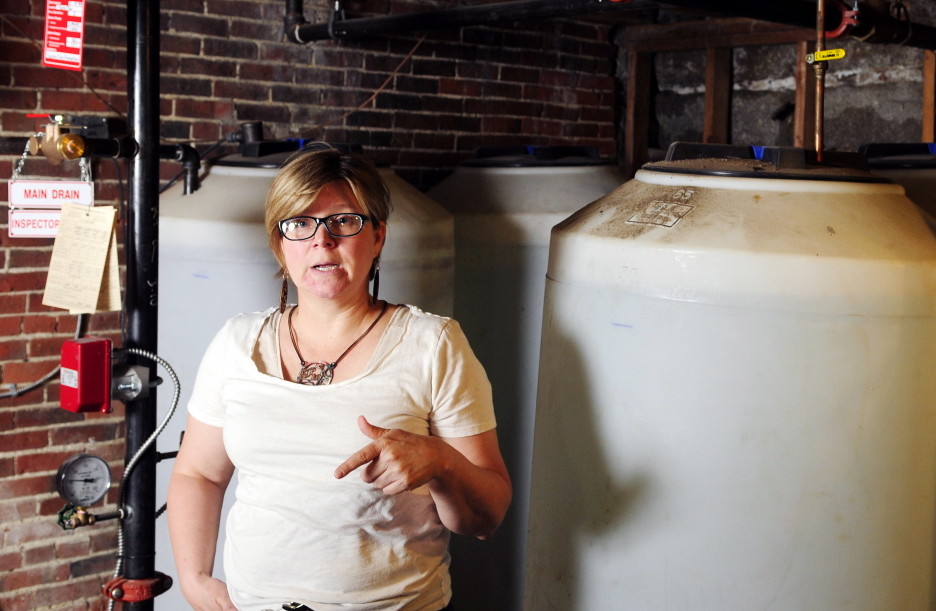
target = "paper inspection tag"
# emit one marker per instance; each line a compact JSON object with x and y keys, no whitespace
{"x":83,"y":268}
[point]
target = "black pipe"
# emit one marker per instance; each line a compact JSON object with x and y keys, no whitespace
{"x":293,"y":19}
{"x":124,"y":148}
{"x":298,"y":30}
{"x":875,"y":24}
{"x":140,"y":331}
{"x":191,"y":164}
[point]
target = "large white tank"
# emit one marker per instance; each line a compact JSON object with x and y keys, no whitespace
{"x":505,"y":202}
{"x":736,"y":400}
{"x":214,"y":262}
{"x":911,"y":165}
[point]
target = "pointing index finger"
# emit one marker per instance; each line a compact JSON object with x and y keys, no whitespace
{"x":359,"y":458}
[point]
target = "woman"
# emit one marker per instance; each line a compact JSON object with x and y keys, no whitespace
{"x":298,"y":398}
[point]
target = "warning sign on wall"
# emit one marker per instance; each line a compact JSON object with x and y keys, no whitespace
{"x":64,"y":34}
{"x":35,"y":205}
{"x":50,"y":193}
{"x":34,"y":223}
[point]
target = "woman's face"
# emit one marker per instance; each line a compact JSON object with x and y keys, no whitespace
{"x":333,"y":268}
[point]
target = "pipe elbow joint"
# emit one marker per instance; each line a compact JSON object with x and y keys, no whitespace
{"x":291,"y":25}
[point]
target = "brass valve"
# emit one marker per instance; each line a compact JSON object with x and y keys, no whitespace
{"x":71,"y":517}
{"x":57,"y":145}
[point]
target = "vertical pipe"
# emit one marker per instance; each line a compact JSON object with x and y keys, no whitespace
{"x":141,"y":254}
{"x":820,"y":68}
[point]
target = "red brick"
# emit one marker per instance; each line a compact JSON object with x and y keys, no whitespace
{"x":107,"y":321}
{"x":37,"y":76}
{"x":91,"y":566}
{"x":20,"y":487}
{"x":90,"y":432}
{"x":39,"y":324}
{"x":6,"y":467}
{"x":457,"y":87}
{"x":200,"y":109}
{"x":35,"y":304}
{"x":50,"y":416}
{"x":23,"y":281}
{"x":27,"y":372}
{"x":73,"y":548}
{"x":104,"y":536}
{"x":39,"y":555}
{"x":51,"y":505}
{"x":70,"y":592}
{"x":12,"y":350}
{"x":11,"y":304}
{"x":65,"y":102}
{"x":10,"y":561}
{"x":19,"y":579}
{"x":10,"y":325}
{"x":34,"y":530}
{"x":13,"y":511}
{"x":40,"y":347}
{"x":18,"y":441}
{"x":33,"y":397}
{"x":113,"y":452}
{"x":23,"y":258}
{"x":39,"y":462}
{"x":17,"y":601}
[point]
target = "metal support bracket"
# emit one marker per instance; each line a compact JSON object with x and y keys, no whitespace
{"x":125,"y":590}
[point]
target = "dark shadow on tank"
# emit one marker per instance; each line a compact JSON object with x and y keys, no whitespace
{"x":486,"y":575}
{"x":574,"y":490}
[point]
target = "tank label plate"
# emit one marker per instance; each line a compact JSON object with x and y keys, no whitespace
{"x":665,"y":212}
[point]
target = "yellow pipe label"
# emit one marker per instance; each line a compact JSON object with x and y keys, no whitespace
{"x":826,"y":55}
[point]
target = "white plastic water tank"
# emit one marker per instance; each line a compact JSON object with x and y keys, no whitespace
{"x":505,"y":202}
{"x":911,"y":165}
{"x":737,"y":408}
{"x":214,"y":262}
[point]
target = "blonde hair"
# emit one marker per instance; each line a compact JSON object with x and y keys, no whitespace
{"x":305,"y":173}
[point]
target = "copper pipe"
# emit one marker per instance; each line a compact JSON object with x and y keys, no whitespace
{"x":820,"y":68}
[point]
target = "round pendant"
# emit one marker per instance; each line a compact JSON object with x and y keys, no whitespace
{"x":318,"y":373}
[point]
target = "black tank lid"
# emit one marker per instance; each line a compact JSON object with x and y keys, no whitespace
{"x":275,"y":153}
{"x":529,"y":156}
{"x":763,"y":162}
{"x":899,"y":155}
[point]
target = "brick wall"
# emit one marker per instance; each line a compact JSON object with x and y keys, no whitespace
{"x":223,"y":62}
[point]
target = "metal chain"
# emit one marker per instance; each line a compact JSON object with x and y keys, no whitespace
{"x":85,"y":166}
{"x":22,"y":160}
{"x":83,"y":163}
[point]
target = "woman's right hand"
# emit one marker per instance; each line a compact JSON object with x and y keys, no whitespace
{"x":208,"y":594}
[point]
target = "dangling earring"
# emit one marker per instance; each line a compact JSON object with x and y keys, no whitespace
{"x":284,"y":291}
{"x":376,"y":278}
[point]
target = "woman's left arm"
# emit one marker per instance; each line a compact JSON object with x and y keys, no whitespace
{"x":465,"y":475}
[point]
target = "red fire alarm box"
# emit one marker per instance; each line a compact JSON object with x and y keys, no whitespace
{"x":86,"y":375}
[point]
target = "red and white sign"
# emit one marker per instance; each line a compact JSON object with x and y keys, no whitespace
{"x":63,"y":45}
{"x":33,"y":223}
{"x":50,"y":193}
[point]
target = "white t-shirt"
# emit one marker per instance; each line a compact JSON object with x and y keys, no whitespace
{"x":295,"y":533}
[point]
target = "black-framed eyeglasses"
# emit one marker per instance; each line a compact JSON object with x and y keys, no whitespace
{"x":343,"y":225}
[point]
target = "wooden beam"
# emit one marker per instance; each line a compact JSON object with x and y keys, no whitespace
{"x":804,"y":113}
{"x":735,"y":32}
{"x":929,"y":96}
{"x":637,"y":119}
{"x":716,"y":127}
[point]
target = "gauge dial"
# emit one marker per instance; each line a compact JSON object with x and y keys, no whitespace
{"x":83,"y":479}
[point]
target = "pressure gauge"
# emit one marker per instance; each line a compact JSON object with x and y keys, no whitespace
{"x":83,"y":479}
